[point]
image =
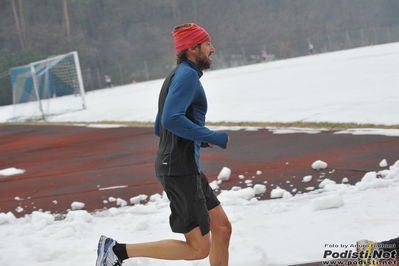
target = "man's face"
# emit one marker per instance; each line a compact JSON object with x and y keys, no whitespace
{"x":204,"y":60}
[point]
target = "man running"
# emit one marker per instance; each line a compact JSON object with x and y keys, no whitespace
{"x":180,"y":123}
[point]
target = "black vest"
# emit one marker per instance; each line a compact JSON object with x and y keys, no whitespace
{"x":176,"y":155}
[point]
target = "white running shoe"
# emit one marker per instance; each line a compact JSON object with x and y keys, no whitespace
{"x":105,"y":253}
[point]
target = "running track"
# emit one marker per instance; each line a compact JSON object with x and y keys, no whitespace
{"x":64,"y":164}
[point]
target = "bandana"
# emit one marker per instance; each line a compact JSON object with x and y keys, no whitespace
{"x":189,"y":36}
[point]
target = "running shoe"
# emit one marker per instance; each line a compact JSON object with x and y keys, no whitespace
{"x":105,"y":253}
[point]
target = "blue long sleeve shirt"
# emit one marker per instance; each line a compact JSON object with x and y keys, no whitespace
{"x":180,"y":123}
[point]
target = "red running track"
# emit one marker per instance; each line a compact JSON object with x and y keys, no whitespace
{"x":64,"y":164}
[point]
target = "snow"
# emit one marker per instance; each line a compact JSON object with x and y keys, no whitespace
{"x":359,"y":86}
{"x":356,"y":85}
{"x":317,"y":165}
{"x":384,"y":163}
{"x":224,"y":174}
{"x":76,"y":205}
{"x":11,"y":171}
{"x":259,"y":189}
{"x":326,"y":183}
{"x":327,"y":202}
{"x":280,"y":193}
{"x":138,"y":199}
{"x":307,"y":178}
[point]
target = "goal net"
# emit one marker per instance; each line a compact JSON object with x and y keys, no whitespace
{"x":49,"y":87}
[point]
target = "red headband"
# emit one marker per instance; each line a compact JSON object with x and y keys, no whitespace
{"x":189,"y":36}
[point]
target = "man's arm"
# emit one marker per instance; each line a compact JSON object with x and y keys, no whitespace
{"x":181,"y":95}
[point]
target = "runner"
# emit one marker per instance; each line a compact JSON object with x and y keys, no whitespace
{"x":180,"y":123}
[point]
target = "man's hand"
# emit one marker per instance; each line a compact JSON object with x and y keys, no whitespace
{"x":213,"y":145}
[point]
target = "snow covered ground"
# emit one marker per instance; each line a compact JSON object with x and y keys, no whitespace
{"x":359,"y":85}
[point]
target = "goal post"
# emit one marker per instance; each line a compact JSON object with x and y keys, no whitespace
{"x":48,"y":87}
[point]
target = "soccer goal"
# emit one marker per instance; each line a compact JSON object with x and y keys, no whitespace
{"x":48,"y":87}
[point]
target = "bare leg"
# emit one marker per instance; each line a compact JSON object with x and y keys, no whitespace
{"x":195,"y":247}
{"x":220,"y":233}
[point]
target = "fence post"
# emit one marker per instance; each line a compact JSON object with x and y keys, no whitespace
{"x":348,"y":40}
{"x":222,"y":59}
{"x":375,"y":36}
{"x":35,"y":86}
{"x":362,"y":34}
{"x":146,"y":69}
{"x":91,"y":82}
{"x":120,"y":72}
{"x":98,"y":78}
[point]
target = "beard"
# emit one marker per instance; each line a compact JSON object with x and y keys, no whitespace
{"x":204,"y":62}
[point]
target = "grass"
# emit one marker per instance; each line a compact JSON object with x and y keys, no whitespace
{"x":329,"y":126}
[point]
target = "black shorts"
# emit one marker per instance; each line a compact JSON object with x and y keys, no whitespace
{"x":190,"y":198}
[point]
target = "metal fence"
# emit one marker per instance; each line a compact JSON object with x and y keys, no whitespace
{"x":230,"y":57}
{"x":233,"y":57}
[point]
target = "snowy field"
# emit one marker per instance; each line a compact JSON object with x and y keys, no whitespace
{"x":359,"y":86}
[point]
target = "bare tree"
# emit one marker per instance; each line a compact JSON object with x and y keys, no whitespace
{"x":22,"y":16}
{"x":21,"y":41}
{"x":66,"y":17}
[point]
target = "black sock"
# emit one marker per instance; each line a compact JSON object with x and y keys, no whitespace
{"x":120,"y":251}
